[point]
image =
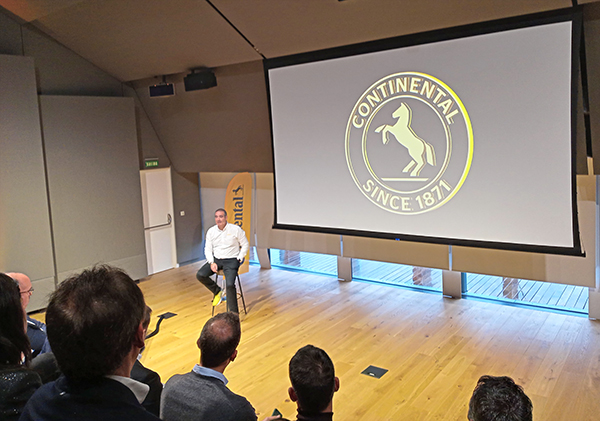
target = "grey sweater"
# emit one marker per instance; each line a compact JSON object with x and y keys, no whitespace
{"x":192,"y":396}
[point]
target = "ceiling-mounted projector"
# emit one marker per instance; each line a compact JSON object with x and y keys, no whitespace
{"x":162,"y":89}
{"x":200,"y":79}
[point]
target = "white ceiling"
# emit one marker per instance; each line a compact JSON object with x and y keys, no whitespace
{"x":136,"y":39}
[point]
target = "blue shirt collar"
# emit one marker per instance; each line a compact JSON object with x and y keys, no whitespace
{"x":209,"y":372}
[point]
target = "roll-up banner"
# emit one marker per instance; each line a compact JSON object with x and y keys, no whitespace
{"x":238,"y":205}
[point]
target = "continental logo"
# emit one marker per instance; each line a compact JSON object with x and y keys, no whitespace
{"x":409,"y":143}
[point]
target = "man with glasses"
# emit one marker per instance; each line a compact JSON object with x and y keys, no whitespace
{"x":36,"y":330}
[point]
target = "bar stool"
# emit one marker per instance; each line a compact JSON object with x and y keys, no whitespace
{"x":224,"y":288}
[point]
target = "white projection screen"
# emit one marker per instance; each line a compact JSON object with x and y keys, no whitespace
{"x":460,"y":137}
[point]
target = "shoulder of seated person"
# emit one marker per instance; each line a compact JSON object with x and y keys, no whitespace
{"x":19,"y":376}
{"x":35,"y":323}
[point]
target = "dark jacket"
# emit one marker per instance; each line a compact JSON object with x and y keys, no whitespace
{"x":16,"y":387}
{"x":101,"y":400}
{"x":152,"y":379}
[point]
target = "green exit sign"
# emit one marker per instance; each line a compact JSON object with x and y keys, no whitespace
{"x":151,"y":163}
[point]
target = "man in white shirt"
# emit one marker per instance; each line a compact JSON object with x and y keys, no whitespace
{"x":225,"y":248}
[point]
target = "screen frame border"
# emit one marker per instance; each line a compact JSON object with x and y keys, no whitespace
{"x":572,"y":14}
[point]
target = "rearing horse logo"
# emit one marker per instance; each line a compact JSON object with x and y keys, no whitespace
{"x":433,"y":176}
{"x":419,"y":150}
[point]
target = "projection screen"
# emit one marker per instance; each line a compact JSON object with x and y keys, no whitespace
{"x":463,"y":136}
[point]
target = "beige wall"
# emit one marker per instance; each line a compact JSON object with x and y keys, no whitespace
{"x":70,"y":198}
{"x":93,"y":183}
{"x":25,"y":236}
{"x":221,"y":129}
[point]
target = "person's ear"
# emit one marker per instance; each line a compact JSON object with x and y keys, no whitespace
{"x":292,"y":394}
{"x":140,"y":336}
{"x":233,"y":356}
{"x":336,"y":384}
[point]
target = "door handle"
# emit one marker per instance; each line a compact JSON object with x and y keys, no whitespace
{"x":169,"y":220}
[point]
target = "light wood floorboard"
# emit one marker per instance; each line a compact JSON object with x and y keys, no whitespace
{"x":434,"y":348}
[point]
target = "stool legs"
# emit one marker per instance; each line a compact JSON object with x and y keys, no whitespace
{"x":233,"y":297}
{"x":241,"y":293}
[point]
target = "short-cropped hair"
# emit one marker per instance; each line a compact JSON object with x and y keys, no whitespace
{"x":92,"y":321}
{"x":499,"y":399}
{"x":221,"y":210}
{"x":219,"y":339}
{"x":313,"y":379}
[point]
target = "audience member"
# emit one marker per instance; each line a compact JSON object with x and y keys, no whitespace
{"x":17,"y":382}
{"x":147,"y":376}
{"x":95,"y":327}
{"x":313,"y":384}
{"x":499,"y":399}
{"x":202,"y":394}
{"x":36,"y":330}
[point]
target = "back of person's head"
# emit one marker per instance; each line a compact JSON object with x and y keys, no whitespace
{"x":92,"y":321}
{"x":219,"y":339}
{"x":499,"y":399}
{"x":14,"y":343}
{"x":313,"y":379}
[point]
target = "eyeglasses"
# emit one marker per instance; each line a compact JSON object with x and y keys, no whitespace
{"x":29,"y":291}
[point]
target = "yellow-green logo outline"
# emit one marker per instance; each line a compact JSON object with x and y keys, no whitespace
{"x":352,"y":123}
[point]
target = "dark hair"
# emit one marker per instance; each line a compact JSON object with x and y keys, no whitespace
{"x":499,"y":399}
{"x":313,"y":379}
{"x":221,"y":210}
{"x":219,"y":338}
{"x":13,"y":339}
{"x":92,"y":321}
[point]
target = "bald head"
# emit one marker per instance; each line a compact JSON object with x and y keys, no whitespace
{"x":24,"y":286}
{"x":219,"y":339}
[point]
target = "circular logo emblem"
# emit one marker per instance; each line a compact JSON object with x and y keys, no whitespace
{"x":409,"y":143}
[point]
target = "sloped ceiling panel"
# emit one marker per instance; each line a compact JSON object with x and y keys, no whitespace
{"x":30,"y":10}
{"x":134,"y":39}
{"x":278,"y":28}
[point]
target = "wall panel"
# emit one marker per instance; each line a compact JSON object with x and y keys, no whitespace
{"x":60,"y":71}
{"x":188,"y":228}
{"x":591,"y":32}
{"x":94,"y":184}
{"x":25,"y":241}
{"x":10,"y":36}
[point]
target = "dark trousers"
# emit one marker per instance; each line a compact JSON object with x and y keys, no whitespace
{"x":230,"y":270}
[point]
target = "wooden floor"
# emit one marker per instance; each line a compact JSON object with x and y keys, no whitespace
{"x":434,"y":348}
{"x":544,"y":294}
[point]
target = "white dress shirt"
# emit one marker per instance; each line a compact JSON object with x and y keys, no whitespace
{"x":230,"y":242}
{"x":139,"y":389}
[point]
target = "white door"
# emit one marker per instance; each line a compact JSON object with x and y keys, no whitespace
{"x":159,"y":224}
